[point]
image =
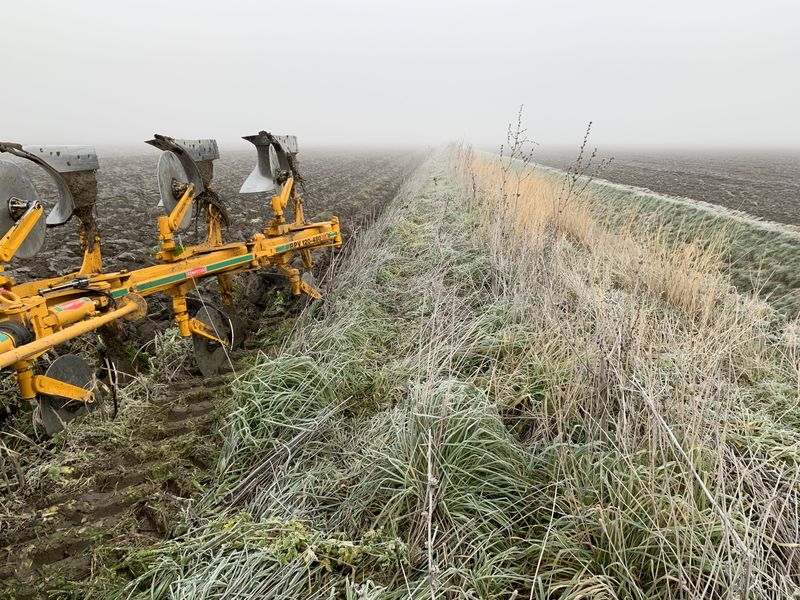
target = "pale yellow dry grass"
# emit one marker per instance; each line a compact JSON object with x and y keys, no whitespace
{"x":530,"y":204}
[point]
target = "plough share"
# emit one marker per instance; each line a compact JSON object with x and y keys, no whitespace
{"x":37,"y":316}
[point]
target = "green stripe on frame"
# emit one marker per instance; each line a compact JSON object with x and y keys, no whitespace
{"x":230,"y":262}
{"x":159,"y":282}
{"x":182,"y":276}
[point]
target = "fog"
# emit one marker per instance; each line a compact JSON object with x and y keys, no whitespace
{"x":678,"y":74}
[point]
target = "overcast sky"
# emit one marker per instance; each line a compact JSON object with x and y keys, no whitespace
{"x":673,"y":73}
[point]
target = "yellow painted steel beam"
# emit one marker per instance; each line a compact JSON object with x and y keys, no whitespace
{"x":27,"y":351}
{"x":63,"y":308}
{"x":14,"y":237}
{"x":158,"y":278}
{"x":53,"y":387}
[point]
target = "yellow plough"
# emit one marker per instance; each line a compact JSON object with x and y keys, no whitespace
{"x":37,"y":316}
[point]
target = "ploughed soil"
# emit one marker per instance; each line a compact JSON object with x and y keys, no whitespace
{"x":75,"y":507}
{"x":345,"y":182}
{"x":765,"y":185}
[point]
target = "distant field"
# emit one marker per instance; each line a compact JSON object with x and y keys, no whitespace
{"x":765,"y":185}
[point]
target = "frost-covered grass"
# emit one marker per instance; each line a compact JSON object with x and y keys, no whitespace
{"x":501,"y":398}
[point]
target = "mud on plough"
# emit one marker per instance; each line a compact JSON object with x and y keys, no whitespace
{"x":37,"y":316}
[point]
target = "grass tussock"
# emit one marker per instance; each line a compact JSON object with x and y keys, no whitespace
{"x":502,"y":398}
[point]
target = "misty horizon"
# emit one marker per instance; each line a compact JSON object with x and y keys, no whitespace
{"x":228,"y":146}
{"x":677,"y":76}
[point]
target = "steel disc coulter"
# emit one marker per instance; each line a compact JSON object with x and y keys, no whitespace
{"x":209,"y":355}
{"x":56,"y":411}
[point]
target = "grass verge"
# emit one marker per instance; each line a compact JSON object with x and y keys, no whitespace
{"x":502,"y":398}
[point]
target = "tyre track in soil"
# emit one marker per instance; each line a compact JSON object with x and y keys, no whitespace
{"x":75,"y":520}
